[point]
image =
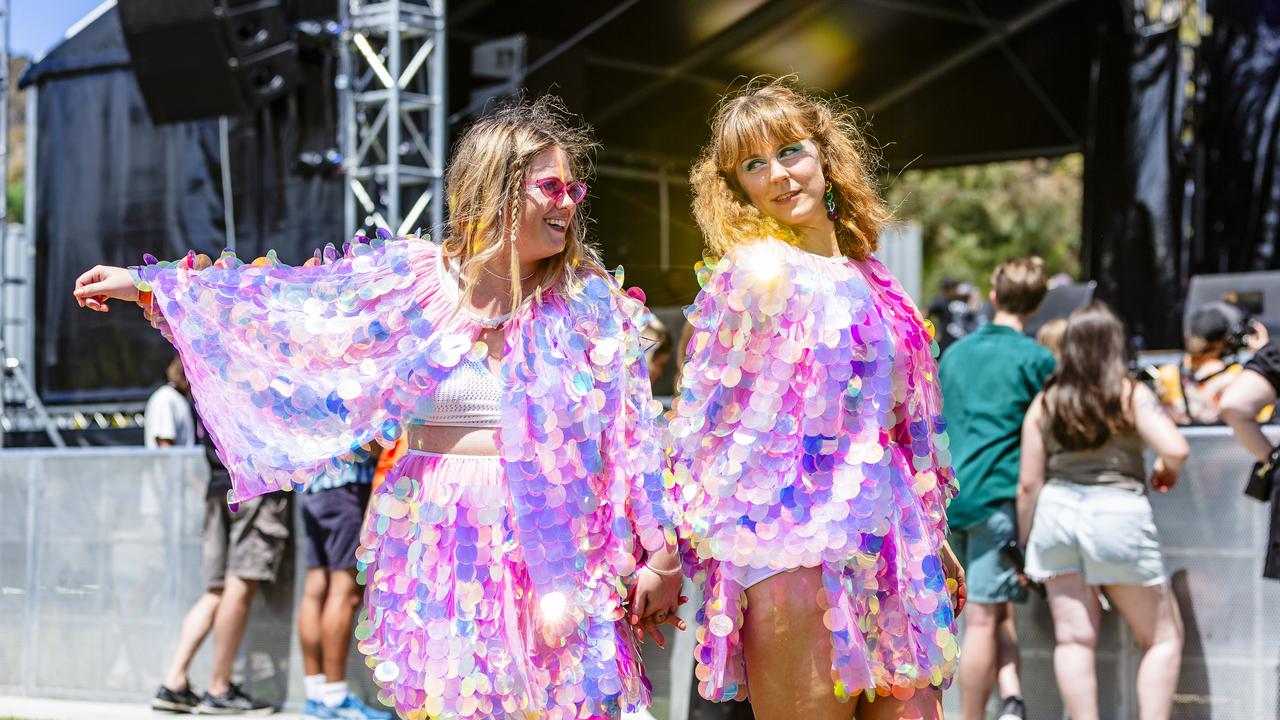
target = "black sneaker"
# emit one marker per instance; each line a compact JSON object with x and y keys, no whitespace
{"x":178,"y":701}
{"x":1013,"y":709}
{"x":233,"y":702}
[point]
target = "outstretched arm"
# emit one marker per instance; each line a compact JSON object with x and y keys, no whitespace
{"x":293,"y":368}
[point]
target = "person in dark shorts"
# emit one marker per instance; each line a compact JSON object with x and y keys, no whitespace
{"x":332,"y":512}
{"x":240,"y":549}
{"x":1242,"y":403}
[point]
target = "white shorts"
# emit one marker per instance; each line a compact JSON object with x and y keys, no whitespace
{"x":755,"y":576}
{"x":1106,"y":534}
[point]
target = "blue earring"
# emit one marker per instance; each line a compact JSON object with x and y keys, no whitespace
{"x":829,"y":200}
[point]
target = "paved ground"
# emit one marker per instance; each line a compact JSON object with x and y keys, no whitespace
{"x":27,"y":708}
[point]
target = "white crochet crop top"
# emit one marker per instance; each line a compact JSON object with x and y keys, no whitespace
{"x":468,"y":397}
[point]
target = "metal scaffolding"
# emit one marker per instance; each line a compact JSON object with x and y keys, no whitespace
{"x":393,"y":113}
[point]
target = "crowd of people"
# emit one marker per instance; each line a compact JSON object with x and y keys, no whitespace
{"x":1049,"y":441}
{"x":542,"y":514}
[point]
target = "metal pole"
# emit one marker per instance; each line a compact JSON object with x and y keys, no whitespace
{"x":438,"y":78}
{"x":664,"y":220}
{"x":4,"y":192}
{"x":4,"y":177}
{"x":347,"y":118}
{"x":394,"y":66}
{"x":228,"y":202}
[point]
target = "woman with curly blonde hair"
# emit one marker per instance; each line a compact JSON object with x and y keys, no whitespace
{"x":808,"y":438}
{"x":501,"y":551}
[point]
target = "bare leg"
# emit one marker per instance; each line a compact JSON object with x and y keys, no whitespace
{"x":1076,"y":616}
{"x":1008,"y":660}
{"x":195,"y":628}
{"x":228,"y":629}
{"x":310,"y":610}
{"x":1152,"y":615}
{"x":339,"y":622}
{"x":979,"y":656}
{"x":788,"y":650}
{"x":923,"y":705}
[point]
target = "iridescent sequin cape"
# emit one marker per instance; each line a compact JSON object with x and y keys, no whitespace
{"x":294,"y":367}
{"x":808,"y":433}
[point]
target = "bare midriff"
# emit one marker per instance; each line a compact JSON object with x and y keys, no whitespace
{"x":449,"y":440}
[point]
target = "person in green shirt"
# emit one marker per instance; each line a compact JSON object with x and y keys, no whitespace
{"x":989,"y":379}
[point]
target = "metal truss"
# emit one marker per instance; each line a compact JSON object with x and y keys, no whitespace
{"x":393,"y":113}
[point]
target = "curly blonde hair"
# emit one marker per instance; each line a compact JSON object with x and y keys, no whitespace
{"x":777,"y":110}
{"x":486,"y":188}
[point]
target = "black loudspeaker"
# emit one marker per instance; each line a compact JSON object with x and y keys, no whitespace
{"x":197,"y":59}
{"x":1058,"y":304}
{"x":1256,"y":294}
{"x":313,"y":9}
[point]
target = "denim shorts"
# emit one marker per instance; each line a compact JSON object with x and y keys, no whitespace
{"x":989,"y":577}
{"x":1106,"y":534}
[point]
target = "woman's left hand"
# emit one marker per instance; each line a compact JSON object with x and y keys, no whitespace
{"x":654,"y":602}
{"x":955,"y":574}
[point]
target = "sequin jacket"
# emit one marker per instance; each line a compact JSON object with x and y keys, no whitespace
{"x":807,"y":430}
{"x":293,"y":367}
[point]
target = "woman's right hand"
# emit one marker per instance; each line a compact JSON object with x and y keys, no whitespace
{"x":102,"y":283}
{"x":1162,"y":478}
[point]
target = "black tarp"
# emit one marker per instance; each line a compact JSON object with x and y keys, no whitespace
{"x":1166,"y":200}
{"x":1134,"y":176}
{"x":112,"y":186}
{"x":1240,"y":190}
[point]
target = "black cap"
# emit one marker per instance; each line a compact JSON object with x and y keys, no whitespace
{"x":1214,"y":320}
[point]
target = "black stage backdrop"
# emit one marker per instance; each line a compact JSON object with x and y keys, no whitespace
{"x":1240,"y":191}
{"x":1134,"y":179}
{"x":154,"y":189}
{"x":1143,"y":240}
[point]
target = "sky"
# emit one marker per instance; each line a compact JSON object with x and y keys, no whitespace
{"x":36,"y":26}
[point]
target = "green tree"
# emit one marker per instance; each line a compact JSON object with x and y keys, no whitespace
{"x":17,"y":199}
{"x":976,"y":216}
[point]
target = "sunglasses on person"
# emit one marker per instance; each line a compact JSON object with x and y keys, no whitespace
{"x":555,"y":188}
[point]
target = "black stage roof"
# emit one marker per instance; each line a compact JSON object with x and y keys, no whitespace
{"x":942,"y":81}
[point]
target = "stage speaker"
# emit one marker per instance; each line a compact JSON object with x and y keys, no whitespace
{"x":1058,"y":303}
{"x":1257,"y":294}
{"x":313,"y":9}
{"x":197,"y":59}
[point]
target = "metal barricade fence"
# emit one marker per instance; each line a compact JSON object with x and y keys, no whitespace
{"x":100,"y":559}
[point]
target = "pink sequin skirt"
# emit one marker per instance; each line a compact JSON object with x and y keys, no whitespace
{"x":450,"y":624}
{"x":886,"y":606}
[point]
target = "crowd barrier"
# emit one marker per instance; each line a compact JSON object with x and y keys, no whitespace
{"x":100,"y":559}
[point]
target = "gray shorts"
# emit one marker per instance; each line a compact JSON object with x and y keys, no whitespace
{"x":250,"y":543}
{"x":1106,"y":534}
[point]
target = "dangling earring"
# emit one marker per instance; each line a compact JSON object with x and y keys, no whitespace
{"x":829,"y":200}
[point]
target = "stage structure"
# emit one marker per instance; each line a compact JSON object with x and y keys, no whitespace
{"x":393,"y":114}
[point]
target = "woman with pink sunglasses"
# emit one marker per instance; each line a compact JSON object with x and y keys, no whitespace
{"x":501,"y":552}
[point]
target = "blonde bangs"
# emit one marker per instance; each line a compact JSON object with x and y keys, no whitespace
{"x":755,"y":122}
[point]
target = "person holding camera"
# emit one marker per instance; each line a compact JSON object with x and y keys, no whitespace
{"x":1191,"y":389}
